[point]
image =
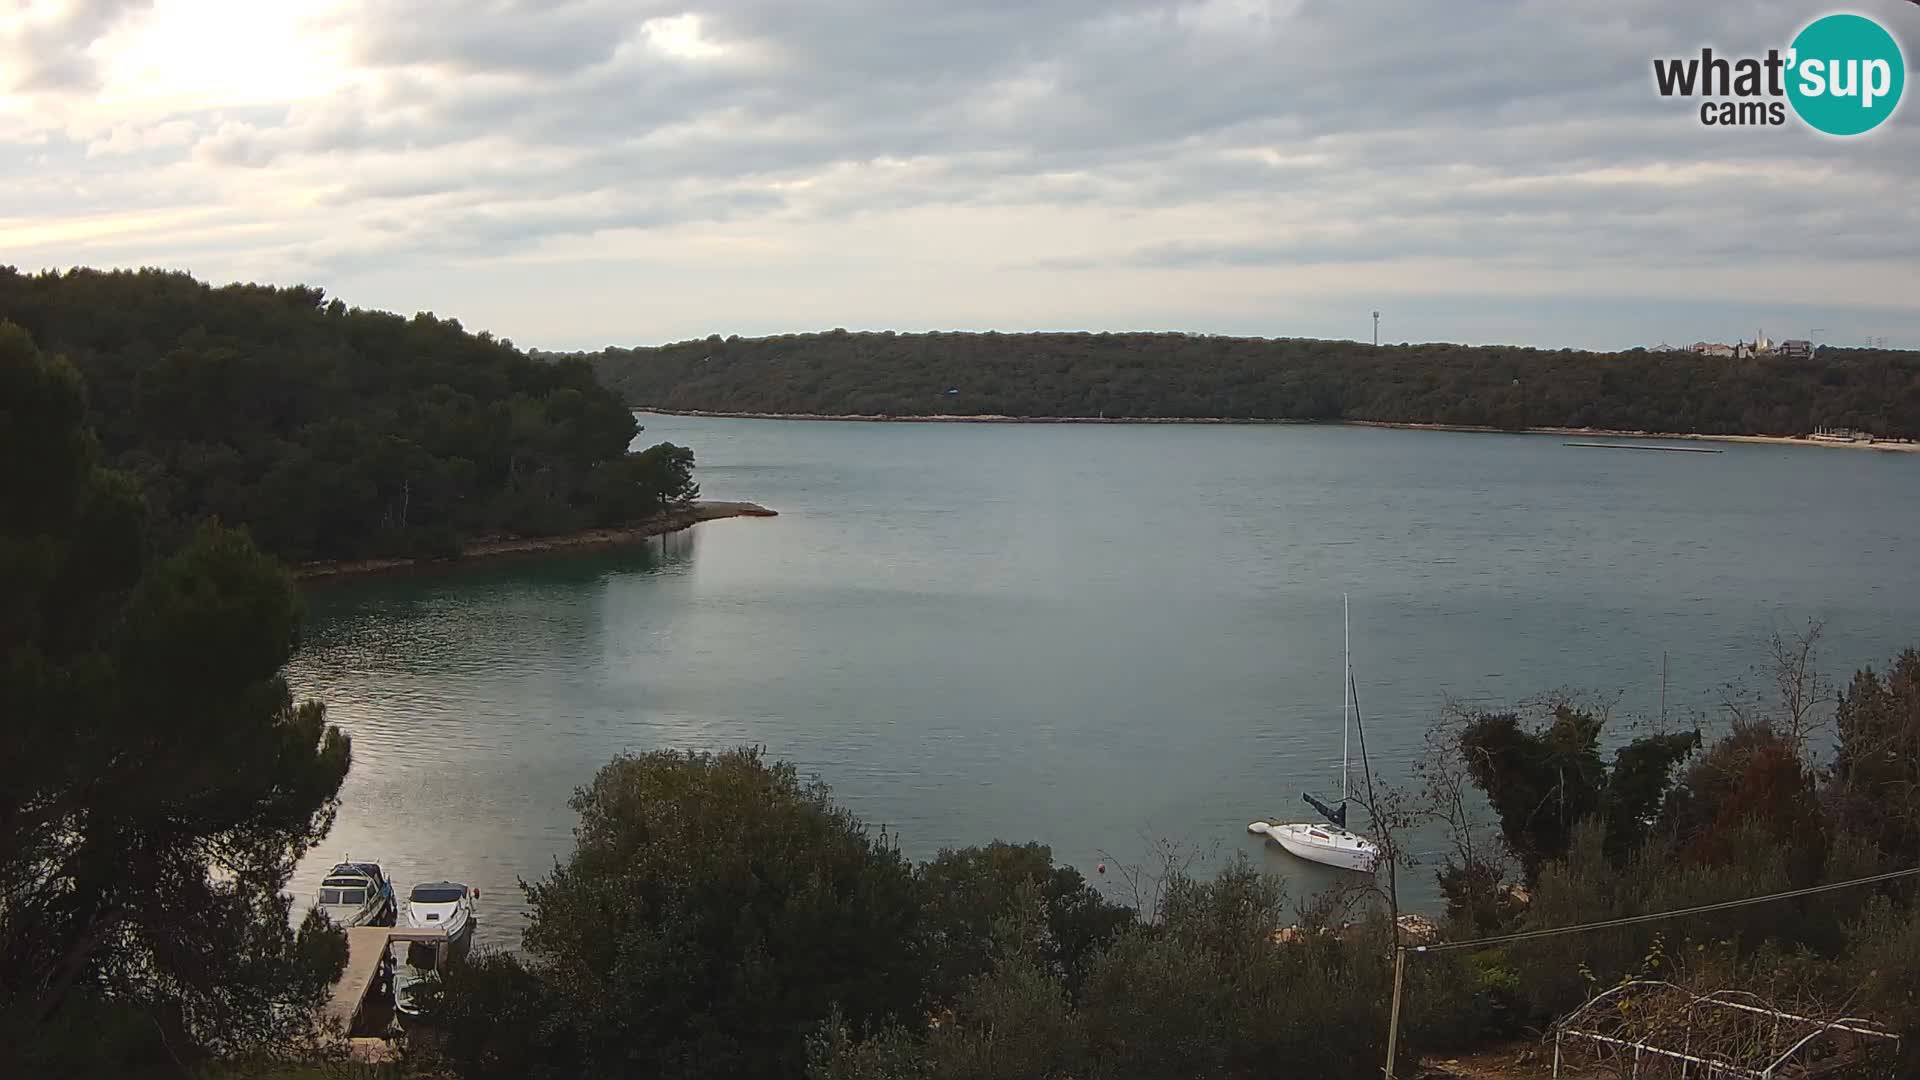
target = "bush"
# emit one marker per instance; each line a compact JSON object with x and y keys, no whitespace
{"x":1207,"y":989}
{"x":498,"y":1021}
{"x":715,"y":912}
{"x":963,"y":893}
{"x":1884,"y":962}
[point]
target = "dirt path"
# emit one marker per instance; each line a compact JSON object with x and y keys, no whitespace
{"x":1523,"y":1060}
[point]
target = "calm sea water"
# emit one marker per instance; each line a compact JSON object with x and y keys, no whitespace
{"x":1100,"y":637}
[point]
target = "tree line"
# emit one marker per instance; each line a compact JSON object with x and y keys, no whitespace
{"x":331,"y":432}
{"x":157,"y":779}
{"x":1144,"y":375}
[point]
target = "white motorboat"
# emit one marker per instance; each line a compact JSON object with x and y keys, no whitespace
{"x":357,"y":894}
{"x":443,"y":906}
{"x":1329,"y":842}
{"x":446,"y":906}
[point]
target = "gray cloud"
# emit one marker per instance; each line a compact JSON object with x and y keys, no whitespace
{"x":1189,"y":137}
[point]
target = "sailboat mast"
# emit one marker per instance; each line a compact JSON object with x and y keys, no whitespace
{"x":1346,"y":683}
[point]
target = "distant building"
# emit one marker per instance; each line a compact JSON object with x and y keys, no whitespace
{"x":1799,"y":347}
{"x":1713,"y":348}
{"x":1830,"y":434}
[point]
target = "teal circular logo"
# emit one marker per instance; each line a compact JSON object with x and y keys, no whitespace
{"x":1846,"y":74}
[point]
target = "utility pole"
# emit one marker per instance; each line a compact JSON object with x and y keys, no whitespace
{"x":1393,"y":1018}
{"x":1376,"y":329}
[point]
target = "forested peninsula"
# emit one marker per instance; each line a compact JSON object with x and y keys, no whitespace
{"x":1184,"y":376}
{"x":335,"y":433}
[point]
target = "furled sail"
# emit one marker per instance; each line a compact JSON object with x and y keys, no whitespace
{"x":1335,"y":814}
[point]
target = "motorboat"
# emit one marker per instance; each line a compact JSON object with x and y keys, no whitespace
{"x":437,"y":929}
{"x":357,"y":894}
{"x":1328,"y":842}
{"x":446,"y":906}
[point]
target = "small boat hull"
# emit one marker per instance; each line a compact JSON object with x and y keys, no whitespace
{"x":1327,"y":846}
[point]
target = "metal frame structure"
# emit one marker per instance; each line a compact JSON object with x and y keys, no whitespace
{"x":1772,"y":1039}
{"x":1401,"y":950}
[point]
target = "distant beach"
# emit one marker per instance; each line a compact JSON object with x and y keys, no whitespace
{"x":1777,"y":440}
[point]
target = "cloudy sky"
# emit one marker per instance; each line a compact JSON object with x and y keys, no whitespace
{"x":574,"y":173}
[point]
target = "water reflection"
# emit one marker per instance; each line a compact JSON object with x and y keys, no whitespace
{"x":462,"y":689}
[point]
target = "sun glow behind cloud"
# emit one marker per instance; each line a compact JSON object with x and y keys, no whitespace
{"x":186,"y":54}
{"x":679,"y":36}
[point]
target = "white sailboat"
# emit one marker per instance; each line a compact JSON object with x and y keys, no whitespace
{"x":1329,"y":842}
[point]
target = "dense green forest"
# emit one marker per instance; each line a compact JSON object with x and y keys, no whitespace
{"x":157,"y":779}
{"x":1192,"y":376}
{"x":332,"y":432}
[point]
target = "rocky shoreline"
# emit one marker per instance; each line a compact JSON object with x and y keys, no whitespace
{"x":586,"y":539}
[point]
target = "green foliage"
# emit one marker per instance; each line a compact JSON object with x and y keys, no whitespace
{"x":1179,"y":375}
{"x":160,"y":779}
{"x":833,"y":1053}
{"x":1590,"y":886}
{"x":964,"y":893}
{"x":332,"y":433}
{"x":637,"y":485}
{"x":1748,"y":817}
{"x":1207,"y":989}
{"x":1499,"y":998}
{"x":1479,"y":903}
{"x":1883,"y":960}
{"x":1014,"y":1020}
{"x":1545,"y":781}
{"x":1876,"y":768}
{"x":714,"y":910}
{"x":497,"y":1020}
{"x":1667,"y":874}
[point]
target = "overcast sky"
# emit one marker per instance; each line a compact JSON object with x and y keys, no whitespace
{"x":575,"y":174}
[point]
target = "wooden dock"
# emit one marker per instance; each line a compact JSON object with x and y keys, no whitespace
{"x":366,"y":953}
